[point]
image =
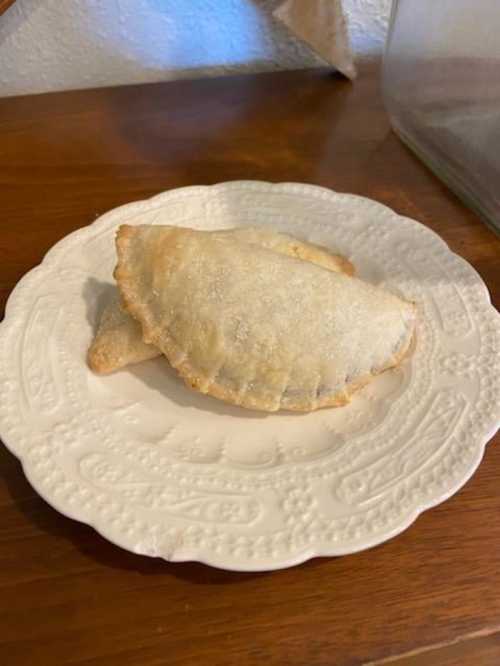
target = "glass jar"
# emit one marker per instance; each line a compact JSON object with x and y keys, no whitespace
{"x":441,"y":85}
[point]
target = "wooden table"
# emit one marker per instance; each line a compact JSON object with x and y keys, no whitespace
{"x":431,"y":595}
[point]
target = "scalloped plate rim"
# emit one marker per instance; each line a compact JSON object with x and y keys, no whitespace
{"x":311,"y":551}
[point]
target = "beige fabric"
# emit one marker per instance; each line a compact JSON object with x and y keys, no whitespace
{"x":322,"y":25}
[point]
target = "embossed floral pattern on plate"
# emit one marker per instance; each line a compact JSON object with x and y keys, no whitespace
{"x":165,"y":472}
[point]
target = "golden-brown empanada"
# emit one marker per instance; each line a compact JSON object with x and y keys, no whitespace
{"x":118,"y":341}
{"x":292,"y":247}
{"x":254,"y":327}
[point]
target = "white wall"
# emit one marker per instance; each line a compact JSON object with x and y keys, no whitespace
{"x":368,"y":22}
{"x":62,"y":44}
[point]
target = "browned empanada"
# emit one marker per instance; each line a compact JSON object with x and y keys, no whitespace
{"x":118,"y":341}
{"x":256,"y":327}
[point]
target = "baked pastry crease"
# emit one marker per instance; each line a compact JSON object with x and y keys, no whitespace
{"x":255,"y":327}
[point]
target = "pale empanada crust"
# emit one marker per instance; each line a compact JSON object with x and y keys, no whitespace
{"x":118,"y":341}
{"x":256,"y":328}
{"x":291,"y":247}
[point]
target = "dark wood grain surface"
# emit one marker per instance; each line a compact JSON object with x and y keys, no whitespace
{"x":5,"y":4}
{"x":429,"y":596}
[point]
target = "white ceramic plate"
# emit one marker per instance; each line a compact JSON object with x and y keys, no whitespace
{"x":163,"y":471}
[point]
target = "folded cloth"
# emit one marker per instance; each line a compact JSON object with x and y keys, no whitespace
{"x":322,"y":25}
